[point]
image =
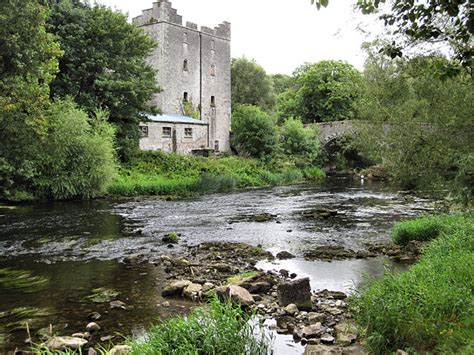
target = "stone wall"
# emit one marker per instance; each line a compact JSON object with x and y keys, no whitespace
{"x":156,"y":140}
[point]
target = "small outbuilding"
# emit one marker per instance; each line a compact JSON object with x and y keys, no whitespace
{"x":174,"y":133}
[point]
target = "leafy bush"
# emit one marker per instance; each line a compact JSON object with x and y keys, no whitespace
{"x":255,"y":133}
{"x":426,"y":228}
{"x":221,"y":329}
{"x":431,"y":306}
{"x":77,"y":156}
{"x":298,"y":141}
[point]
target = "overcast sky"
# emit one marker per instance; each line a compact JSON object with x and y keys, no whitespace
{"x":279,"y":34}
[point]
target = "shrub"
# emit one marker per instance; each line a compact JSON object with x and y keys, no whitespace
{"x":298,"y":141}
{"x":77,"y":155}
{"x":255,"y":133}
{"x":431,"y":306}
{"x":221,"y":329}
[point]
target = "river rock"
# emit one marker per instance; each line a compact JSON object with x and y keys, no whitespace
{"x":64,"y":343}
{"x":93,"y":316}
{"x":297,"y":292}
{"x":175,"y":288}
{"x":120,"y":350}
{"x":85,"y":335}
{"x":346,"y":333}
{"x":207,"y":287}
{"x":192,"y":290}
{"x":327,"y":339}
{"x":283,"y":255}
{"x":313,"y":331}
{"x":337,"y":295}
{"x":117,"y":304}
{"x":320,"y":349}
{"x":92,"y":327}
{"x":314,"y":317}
{"x":236,"y":294}
{"x":291,"y":309}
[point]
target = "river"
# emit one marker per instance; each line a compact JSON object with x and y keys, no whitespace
{"x":68,"y":249}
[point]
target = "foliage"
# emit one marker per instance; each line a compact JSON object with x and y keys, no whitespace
{"x":28,"y":62}
{"x":251,"y":85}
{"x":157,"y":173}
{"x":104,"y":66}
{"x":77,"y":155}
{"x":237,"y":278}
{"x":22,"y":280}
{"x":190,"y":110}
{"x":427,"y":228}
{"x":223,"y":328}
{"x":300,"y":142}
{"x":281,"y":83}
{"x":323,"y":91}
{"x":437,"y":21}
{"x":420,"y":125}
{"x":255,"y":133}
{"x":429,"y":308}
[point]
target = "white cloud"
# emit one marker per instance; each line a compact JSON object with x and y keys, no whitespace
{"x":279,"y":34}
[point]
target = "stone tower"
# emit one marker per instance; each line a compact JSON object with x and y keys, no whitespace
{"x":193,"y":66}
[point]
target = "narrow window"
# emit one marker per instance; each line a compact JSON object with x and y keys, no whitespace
{"x":213,"y":101}
{"x":166,"y":132}
{"x":188,"y":133}
{"x":185,"y":37}
{"x":216,"y":146}
{"x":185,"y":97}
{"x":144,"y":131}
{"x":185,"y":65}
{"x":213,"y":70}
{"x":213,"y":45}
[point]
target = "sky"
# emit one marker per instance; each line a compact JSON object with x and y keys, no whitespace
{"x":279,"y":34}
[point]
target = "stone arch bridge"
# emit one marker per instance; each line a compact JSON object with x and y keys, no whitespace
{"x":330,"y":131}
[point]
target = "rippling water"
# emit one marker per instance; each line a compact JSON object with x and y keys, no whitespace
{"x":74,"y":245}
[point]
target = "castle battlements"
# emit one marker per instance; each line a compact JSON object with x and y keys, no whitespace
{"x":162,"y":11}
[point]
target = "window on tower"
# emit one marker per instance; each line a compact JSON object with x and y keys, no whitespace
{"x":213,"y":70}
{"x":185,"y":65}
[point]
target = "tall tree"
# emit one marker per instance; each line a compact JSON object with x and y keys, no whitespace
{"x":104,"y":66}
{"x":323,"y":91}
{"x":28,"y":63}
{"x":251,"y":85}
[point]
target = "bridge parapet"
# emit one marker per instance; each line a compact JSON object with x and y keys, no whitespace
{"x":329,"y":131}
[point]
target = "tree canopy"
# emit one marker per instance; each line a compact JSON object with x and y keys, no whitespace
{"x":104,"y":65}
{"x":323,"y":91}
{"x":251,"y":85}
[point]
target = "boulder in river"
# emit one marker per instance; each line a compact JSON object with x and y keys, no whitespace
{"x":346,"y":333}
{"x":236,"y":294}
{"x":192,"y":291}
{"x":175,"y":288}
{"x":283,"y":255}
{"x":297,"y":292}
{"x":120,"y":350}
{"x":64,"y":343}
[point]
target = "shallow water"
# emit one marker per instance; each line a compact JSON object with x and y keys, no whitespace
{"x":75,"y":247}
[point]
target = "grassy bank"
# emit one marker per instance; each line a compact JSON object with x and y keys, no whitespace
{"x":431,"y":306}
{"x":156,"y":173}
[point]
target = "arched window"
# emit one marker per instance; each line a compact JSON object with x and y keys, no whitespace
{"x":213,"y":70}
{"x":185,"y":65}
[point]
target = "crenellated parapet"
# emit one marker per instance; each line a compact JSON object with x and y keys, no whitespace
{"x":162,"y":10}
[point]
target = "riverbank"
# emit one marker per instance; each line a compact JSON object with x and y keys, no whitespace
{"x":173,"y":175}
{"x":429,"y":308}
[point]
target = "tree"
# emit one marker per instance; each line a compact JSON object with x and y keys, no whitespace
{"x":324,"y":91}
{"x":28,"y":62}
{"x":251,"y":85}
{"x":300,"y":142}
{"x":104,"y":66}
{"x":436,"y":21}
{"x":420,"y":126}
{"x":255,"y":133}
{"x":281,"y":83}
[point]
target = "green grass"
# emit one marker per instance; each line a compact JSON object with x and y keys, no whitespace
{"x":221,"y":329}
{"x":240,"y":277}
{"x":157,"y":173}
{"x":427,"y":228}
{"x":431,"y":306}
